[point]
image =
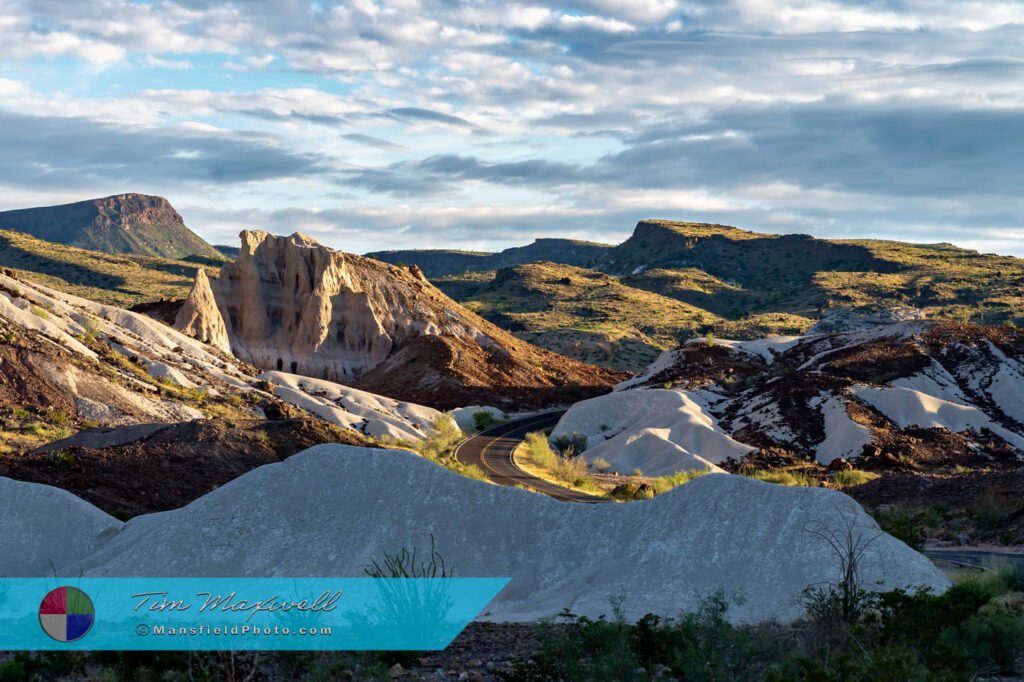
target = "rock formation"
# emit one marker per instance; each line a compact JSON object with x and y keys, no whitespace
{"x":199,"y":316}
{"x":290,"y":304}
{"x":718,"y":532}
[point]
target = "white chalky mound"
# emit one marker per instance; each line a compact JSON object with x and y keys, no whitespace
{"x":658,"y":431}
{"x":351,"y":408}
{"x":44,"y":528}
{"x":332,"y":509}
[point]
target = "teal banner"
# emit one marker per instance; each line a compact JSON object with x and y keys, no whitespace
{"x":335,"y":614}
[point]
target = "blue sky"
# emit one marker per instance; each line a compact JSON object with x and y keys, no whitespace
{"x":447,"y":124}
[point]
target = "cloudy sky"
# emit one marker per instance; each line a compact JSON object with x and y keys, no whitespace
{"x":439,"y":123}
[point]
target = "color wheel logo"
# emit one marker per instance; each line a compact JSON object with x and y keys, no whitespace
{"x":66,"y":614}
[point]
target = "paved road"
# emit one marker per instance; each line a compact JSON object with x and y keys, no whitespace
{"x":491,"y":450}
{"x":975,"y":558}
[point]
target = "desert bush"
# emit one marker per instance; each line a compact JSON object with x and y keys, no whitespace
{"x":199,"y":395}
{"x":662,"y":484}
{"x":539,"y":450}
{"x":91,"y":330}
{"x":41,"y":313}
{"x":842,"y":480}
{"x":572,"y":470}
{"x":404,"y":564}
{"x":995,"y":507}
{"x":482,"y":419}
{"x":903,"y":524}
{"x":570,"y":444}
{"x":566,"y":467}
{"x":601,"y":464}
{"x":792,"y":477}
{"x":444,"y":435}
{"x":473,"y":471}
{"x":59,"y":457}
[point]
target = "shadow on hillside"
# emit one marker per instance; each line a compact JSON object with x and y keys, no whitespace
{"x":770,"y":271}
{"x":73,"y":273}
{"x":184,"y":271}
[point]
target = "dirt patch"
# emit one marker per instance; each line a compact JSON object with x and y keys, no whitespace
{"x":173,"y":466}
{"x":25,"y":384}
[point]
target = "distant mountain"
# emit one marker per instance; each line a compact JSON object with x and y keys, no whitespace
{"x":676,"y":280}
{"x":120,"y":279}
{"x":229,"y":251}
{"x":124,"y":223}
{"x":439,"y":263}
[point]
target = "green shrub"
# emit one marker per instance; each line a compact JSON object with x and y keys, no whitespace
{"x":572,"y":470}
{"x":482,"y":419}
{"x":989,"y":640}
{"x":539,"y":450}
{"x":59,"y":457}
{"x":475,"y":472}
{"x":570,"y":444}
{"x":91,"y":330}
{"x":566,"y":467}
{"x":444,"y":435}
{"x":662,"y":484}
{"x":994,"y":509}
{"x":850,"y":478}
{"x":199,"y":395}
{"x":903,"y":524}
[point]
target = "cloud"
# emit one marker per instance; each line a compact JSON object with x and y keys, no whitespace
{"x":371,"y":141}
{"x":42,"y":151}
{"x":896,"y":117}
{"x":430,"y":115}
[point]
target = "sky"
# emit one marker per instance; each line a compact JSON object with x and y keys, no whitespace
{"x":482,"y":125}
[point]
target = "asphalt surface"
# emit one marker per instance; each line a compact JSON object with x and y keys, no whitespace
{"x":975,"y":558}
{"x":492,"y":449}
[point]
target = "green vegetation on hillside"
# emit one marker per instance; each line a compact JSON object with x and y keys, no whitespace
{"x":581,"y":313}
{"x":116,"y":279}
{"x":124,"y":223}
{"x":672,"y":281}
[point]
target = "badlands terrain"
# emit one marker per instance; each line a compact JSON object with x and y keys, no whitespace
{"x":325,"y":394}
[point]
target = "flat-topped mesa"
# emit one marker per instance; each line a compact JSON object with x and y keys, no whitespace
{"x":123,"y":223}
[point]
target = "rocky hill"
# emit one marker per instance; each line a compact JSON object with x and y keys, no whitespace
{"x":930,"y":402}
{"x":439,"y":263}
{"x":99,"y":400}
{"x":732,"y":283}
{"x":737,"y":536}
{"x":125,"y":223}
{"x":291,"y":304}
{"x":581,"y":313}
{"x":118,"y":279}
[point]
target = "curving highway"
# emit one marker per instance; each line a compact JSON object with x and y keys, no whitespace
{"x":492,"y":449}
